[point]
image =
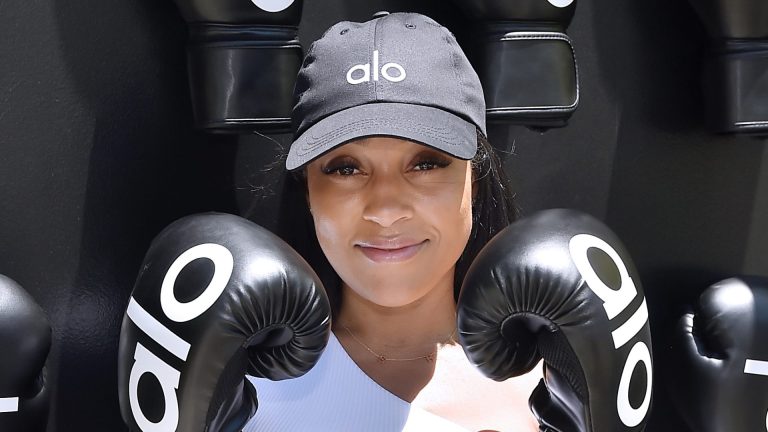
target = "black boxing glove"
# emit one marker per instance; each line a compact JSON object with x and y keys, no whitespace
{"x":243,"y":57}
{"x":25,"y":338}
{"x":719,"y":358}
{"x":560,"y":286}
{"x":217,"y":297}
{"x":736,"y":74}
{"x":527,"y":63}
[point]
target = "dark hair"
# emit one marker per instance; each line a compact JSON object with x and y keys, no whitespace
{"x":493,"y":208}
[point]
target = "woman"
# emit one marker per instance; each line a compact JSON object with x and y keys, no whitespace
{"x":399,"y":189}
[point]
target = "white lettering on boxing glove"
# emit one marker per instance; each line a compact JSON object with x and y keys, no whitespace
{"x":366,"y":69}
{"x":157,"y":331}
{"x":614,"y":302}
{"x":168,"y":377}
{"x":183,"y":312}
{"x":272,"y":5}
{"x":629,"y":415}
{"x":146,"y":361}
{"x":9,"y":404}
{"x":560,"y":3}
{"x":757,"y":367}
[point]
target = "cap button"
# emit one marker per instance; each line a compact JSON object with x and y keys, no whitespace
{"x":380,"y":14}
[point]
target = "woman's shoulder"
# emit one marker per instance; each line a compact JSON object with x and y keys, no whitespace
{"x":459,"y":392}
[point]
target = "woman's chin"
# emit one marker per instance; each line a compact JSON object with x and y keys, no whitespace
{"x":386,"y":296}
{"x":390,"y":301}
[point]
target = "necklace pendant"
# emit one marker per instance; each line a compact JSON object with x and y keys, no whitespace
{"x":381,"y":358}
{"x":430,"y":357}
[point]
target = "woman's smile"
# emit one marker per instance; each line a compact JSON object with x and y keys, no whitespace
{"x":390,"y":250}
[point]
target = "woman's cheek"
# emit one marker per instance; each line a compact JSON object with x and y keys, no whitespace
{"x":466,"y":201}
{"x":328,"y":233}
{"x":465,"y":213}
{"x":452,"y":214}
{"x":334,"y":227}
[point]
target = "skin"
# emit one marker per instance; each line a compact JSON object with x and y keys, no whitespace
{"x":383,"y":193}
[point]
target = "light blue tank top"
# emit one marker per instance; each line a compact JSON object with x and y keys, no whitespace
{"x":336,"y":395}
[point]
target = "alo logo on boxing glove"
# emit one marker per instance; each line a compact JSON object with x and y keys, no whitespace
{"x":272,"y":5}
{"x":9,"y":404}
{"x":559,"y":286}
{"x":757,"y":367}
{"x":148,"y":363}
{"x":560,"y":3}
{"x":217,"y":297}
{"x":614,"y":302}
{"x":366,"y":70}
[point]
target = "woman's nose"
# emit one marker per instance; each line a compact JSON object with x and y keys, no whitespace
{"x":388,"y":201}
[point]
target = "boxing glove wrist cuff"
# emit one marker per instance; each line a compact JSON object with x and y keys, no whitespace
{"x":736,"y":79}
{"x":530,"y":75}
{"x":244,"y":35}
{"x":239,"y":76}
{"x":552,"y":413}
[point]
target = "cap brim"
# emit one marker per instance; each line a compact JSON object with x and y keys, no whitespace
{"x":430,"y":126}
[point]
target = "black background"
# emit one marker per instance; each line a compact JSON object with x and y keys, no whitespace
{"x":98,"y":154}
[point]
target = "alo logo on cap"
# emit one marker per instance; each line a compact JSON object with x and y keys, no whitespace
{"x":386,"y":71}
{"x":272,"y":5}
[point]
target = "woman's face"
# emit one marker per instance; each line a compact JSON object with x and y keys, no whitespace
{"x":392,"y":216}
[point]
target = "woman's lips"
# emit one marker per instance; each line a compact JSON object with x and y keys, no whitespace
{"x":391,"y":254}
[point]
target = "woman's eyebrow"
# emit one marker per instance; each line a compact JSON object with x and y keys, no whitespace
{"x":341,"y":156}
{"x":431,"y":152}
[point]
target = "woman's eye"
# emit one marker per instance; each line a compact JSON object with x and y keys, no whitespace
{"x":341,"y":170}
{"x":430,"y":164}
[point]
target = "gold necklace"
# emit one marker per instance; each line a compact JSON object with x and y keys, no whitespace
{"x":382,"y":358}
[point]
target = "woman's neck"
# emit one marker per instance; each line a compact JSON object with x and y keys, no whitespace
{"x":410,"y":330}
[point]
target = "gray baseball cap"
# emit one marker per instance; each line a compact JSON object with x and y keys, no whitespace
{"x":400,"y":74}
